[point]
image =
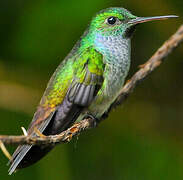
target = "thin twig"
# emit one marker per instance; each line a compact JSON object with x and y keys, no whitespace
{"x":65,"y":136}
{"x":5,"y":151}
{"x":24,"y":131}
{"x":85,"y":124}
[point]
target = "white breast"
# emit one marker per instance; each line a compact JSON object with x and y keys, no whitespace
{"x":116,"y":52}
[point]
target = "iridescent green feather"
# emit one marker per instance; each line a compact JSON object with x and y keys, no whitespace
{"x":73,"y":69}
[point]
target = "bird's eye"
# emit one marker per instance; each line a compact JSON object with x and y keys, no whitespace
{"x":111,"y":20}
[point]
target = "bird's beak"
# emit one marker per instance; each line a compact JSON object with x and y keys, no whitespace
{"x":139,"y":20}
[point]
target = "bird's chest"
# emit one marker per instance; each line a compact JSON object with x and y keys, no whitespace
{"x":117,"y":59}
{"x":114,"y":78}
{"x":116,"y":54}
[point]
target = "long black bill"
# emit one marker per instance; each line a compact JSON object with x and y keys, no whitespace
{"x":139,"y":20}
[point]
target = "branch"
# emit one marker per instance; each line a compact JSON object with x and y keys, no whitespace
{"x":85,"y":124}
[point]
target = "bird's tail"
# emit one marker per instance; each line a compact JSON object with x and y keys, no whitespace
{"x":17,"y":157}
{"x":27,"y":155}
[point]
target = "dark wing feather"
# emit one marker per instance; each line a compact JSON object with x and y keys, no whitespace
{"x":78,"y":97}
{"x":82,"y":93}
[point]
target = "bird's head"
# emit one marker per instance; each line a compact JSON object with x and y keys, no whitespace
{"x":119,"y":21}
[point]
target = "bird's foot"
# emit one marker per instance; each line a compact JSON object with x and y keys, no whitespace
{"x":142,"y":65}
{"x":38,"y":133}
{"x":93,"y":118}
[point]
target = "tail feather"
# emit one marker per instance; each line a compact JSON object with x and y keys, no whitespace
{"x":18,"y":157}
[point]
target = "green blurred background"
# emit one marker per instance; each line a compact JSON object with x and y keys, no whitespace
{"x":142,"y":140}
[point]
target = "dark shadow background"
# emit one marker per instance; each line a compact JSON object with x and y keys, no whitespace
{"x":142,"y":140}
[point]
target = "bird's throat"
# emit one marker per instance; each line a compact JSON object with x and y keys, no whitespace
{"x":130,"y":31}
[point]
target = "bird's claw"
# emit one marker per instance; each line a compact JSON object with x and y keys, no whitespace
{"x":94,"y":119}
{"x":38,"y":133}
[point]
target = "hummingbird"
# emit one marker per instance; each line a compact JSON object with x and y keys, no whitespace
{"x":86,"y":82}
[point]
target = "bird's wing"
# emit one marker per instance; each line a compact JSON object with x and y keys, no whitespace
{"x":72,"y":87}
